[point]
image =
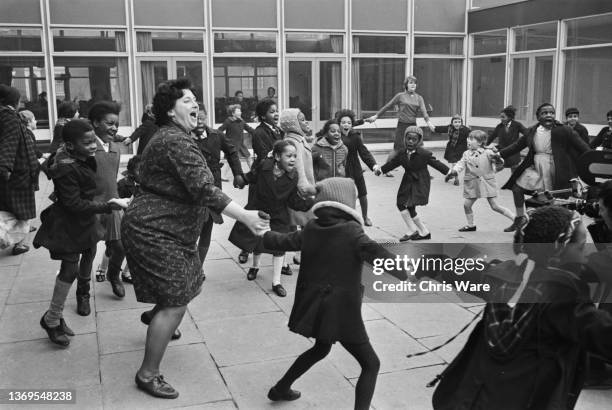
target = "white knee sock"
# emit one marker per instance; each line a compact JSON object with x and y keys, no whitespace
{"x":408,"y":221}
{"x":420,"y":226}
{"x":277,"y":265}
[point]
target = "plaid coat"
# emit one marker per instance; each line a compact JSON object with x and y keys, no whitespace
{"x":18,"y":166}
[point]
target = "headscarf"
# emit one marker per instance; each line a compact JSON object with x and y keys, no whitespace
{"x":288,"y":121}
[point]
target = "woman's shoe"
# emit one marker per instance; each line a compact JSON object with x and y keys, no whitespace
{"x":456,"y":183}
{"x":418,"y":237}
{"x":157,"y":387}
{"x":252,"y":274}
{"x":406,"y":237}
{"x":296,"y":259}
{"x":279,"y":290}
{"x":20,"y":248}
{"x":467,"y":228}
{"x":275,"y":395}
{"x":146,"y":319}
{"x":56,"y":334}
{"x":126,"y":277}
{"x":243,"y":257}
{"x":286,"y":270}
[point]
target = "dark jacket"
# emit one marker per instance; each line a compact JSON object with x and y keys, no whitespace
{"x":107,"y":171}
{"x":144,"y":132}
{"x":211,"y":148}
{"x":234,"y":130}
{"x":454,"y":148}
{"x":356,"y":150}
{"x":415,"y":185}
{"x":70,"y":224}
{"x":263,"y":140}
{"x":545,"y":367}
{"x":566,"y":147}
{"x":506,"y":136}
{"x":603,"y":139}
{"x":329,"y":292}
{"x":581,"y":131}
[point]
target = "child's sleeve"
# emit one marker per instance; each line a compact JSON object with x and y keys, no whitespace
{"x":365,"y":154}
{"x":391,"y":165}
{"x":68,"y":194}
{"x":460,"y":165}
{"x":436,"y":164}
{"x":370,"y":250}
{"x":222,"y":127}
{"x":388,"y":105}
{"x":283,"y":241}
{"x":231,"y":154}
{"x":249,"y":129}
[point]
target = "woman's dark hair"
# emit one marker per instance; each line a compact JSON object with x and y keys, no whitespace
{"x":166,"y":96}
{"x":609,"y":113}
{"x":99,"y":110}
{"x":9,"y":96}
{"x":75,"y":130}
{"x":542,"y":106}
{"x":262,"y":109}
{"x":510,"y":112}
{"x":132,"y":165}
{"x":67,"y":109}
{"x":345,"y":113}
{"x":279,"y":147}
{"x":327,"y":126}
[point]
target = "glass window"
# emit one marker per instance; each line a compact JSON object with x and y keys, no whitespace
{"x":379,"y":44}
{"x":438,"y":45}
{"x":245,"y":42}
{"x":107,"y":12}
{"x":13,"y":39}
{"x":490,"y":43}
{"x":20,"y":11}
{"x":488,"y":76}
{"x":176,"y":41}
{"x":166,"y":13}
{"x":535,"y":37}
{"x":440,"y":15}
{"x":243,"y":13}
{"x":27,"y":74}
{"x":585,"y":71}
{"x":88,"y":40}
{"x":375,"y":82}
{"x":314,"y":43}
{"x":87,"y":80}
{"x":440,"y":82}
{"x":251,"y":76}
{"x":594,"y":30}
{"x":379,"y":15}
{"x":314,"y":14}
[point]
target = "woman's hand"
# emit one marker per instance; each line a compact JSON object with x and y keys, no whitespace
{"x":431,"y":126}
{"x":306,"y":191}
{"x":119,"y":203}
{"x":371,"y":119}
{"x":377,"y":170}
{"x":127,"y":141}
{"x":257,"y":221}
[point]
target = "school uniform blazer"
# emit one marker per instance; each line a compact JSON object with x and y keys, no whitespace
{"x":415,"y":185}
{"x":566,"y":147}
{"x":211,"y":148}
{"x":507,"y":136}
{"x":107,"y":171}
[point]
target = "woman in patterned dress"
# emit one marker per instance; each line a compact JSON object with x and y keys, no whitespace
{"x":162,"y":225}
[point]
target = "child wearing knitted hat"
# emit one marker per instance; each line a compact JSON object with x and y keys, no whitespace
{"x":327,"y":304}
{"x":414,"y":188}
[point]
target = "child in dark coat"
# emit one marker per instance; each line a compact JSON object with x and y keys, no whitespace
{"x":457,"y":141}
{"x":274,"y":190}
{"x":329,"y":292}
{"x":414,"y":188}
{"x":234,"y":127}
{"x":70,"y":228}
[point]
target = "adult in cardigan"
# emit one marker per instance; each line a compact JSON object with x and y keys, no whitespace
{"x":604,"y":138}
{"x":410,"y":105}
{"x":66,"y":111}
{"x":162,"y":225}
{"x":528,"y":350}
{"x":550,"y":163}
{"x":457,"y":141}
{"x":572,"y":115}
{"x":19,"y":166}
{"x":145,"y":130}
{"x":507,"y":133}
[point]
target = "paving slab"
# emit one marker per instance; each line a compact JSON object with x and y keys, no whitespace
{"x":27,"y":288}
{"x":254,"y":338}
{"x":38,"y":262}
{"x":223,"y":270}
{"x":594,"y":399}
{"x":7,"y":276}
{"x":217,"y":405}
{"x":106,"y":301}
{"x":3,"y":297}
{"x":188,"y":368}
{"x":216,"y":251}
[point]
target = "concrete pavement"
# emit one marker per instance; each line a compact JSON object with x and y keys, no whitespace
{"x":235,"y":342}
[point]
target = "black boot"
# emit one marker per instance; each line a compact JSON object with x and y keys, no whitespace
{"x":518,"y":223}
{"x":82,"y":297}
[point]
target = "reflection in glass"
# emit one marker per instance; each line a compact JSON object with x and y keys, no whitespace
{"x":440,"y":82}
{"x":520,"y":88}
{"x":376,"y":81}
{"x":488,"y":75}
{"x":12,"y":39}
{"x":438,"y":45}
{"x":537,"y":37}
{"x":193,"y":71}
{"x":27,"y":74}
{"x":379,"y":44}
{"x":490,"y":43}
{"x":245,"y":42}
{"x":88,"y":40}
{"x":152,"y":74}
{"x":314,"y":43}
{"x":300,"y":87}
{"x":330,"y":89}
{"x":592,"y":30}
{"x":174,"y":41}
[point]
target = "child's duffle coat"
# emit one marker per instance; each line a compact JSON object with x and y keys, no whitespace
{"x":480,"y":167}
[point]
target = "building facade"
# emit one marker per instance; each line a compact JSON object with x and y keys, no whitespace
{"x":471,"y":57}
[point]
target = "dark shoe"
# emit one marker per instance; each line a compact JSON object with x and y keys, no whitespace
{"x":367,"y":221}
{"x":20,"y":248}
{"x":83,"y":307}
{"x":390,"y":175}
{"x":456,"y":183}
{"x":33,"y":228}
{"x":518,"y":223}
{"x":418,"y":237}
{"x":406,"y":237}
{"x":275,"y":395}
{"x":467,"y":228}
{"x":252,"y":274}
{"x":118,"y":288}
{"x":296,"y":260}
{"x":279,"y":290}
{"x":243,"y":257}
{"x":126,"y":277}
{"x":100,"y":275}
{"x":286,"y":270}
{"x":65,"y":328}
{"x":157,"y":387}
{"x":146,"y":318}
{"x":56,"y":334}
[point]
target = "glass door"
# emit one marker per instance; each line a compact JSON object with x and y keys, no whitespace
{"x":315,"y":86}
{"x":531,"y":84}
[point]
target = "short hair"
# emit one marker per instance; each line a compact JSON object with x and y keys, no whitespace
{"x":572,"y":110}
{"x":279,"y":146}
{"x":409,"y":79}
{"x":9,"y":96}
{"x":327,"y":126}
{"x":271,"y":88}
{"x":27,"y":115}
{"x":233,"y":107}
{"x":165,"y":98}
{"x":76,"y":129}
{"x":478,"y":135}
{"x":262,"y":108}
{"x":67,"y":109}
{"x":345,"y":113}
{"x":605,"y":194}
{"x":510,"y":111}
{"x":546,"y":104}
{"x":101,"y":109}
{"x":456,"y":117}
{"x":609,"y":113}
{"x":133,"y":163}
{"x":238,"y":92}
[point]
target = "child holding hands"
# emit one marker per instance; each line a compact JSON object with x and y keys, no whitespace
{"x":480,"y":166}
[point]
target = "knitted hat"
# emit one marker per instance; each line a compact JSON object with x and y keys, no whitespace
{"x":415,"y":130}
{"x":339,"y":193}
{"x":288,"y":121}
{"x":572,"y":110}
